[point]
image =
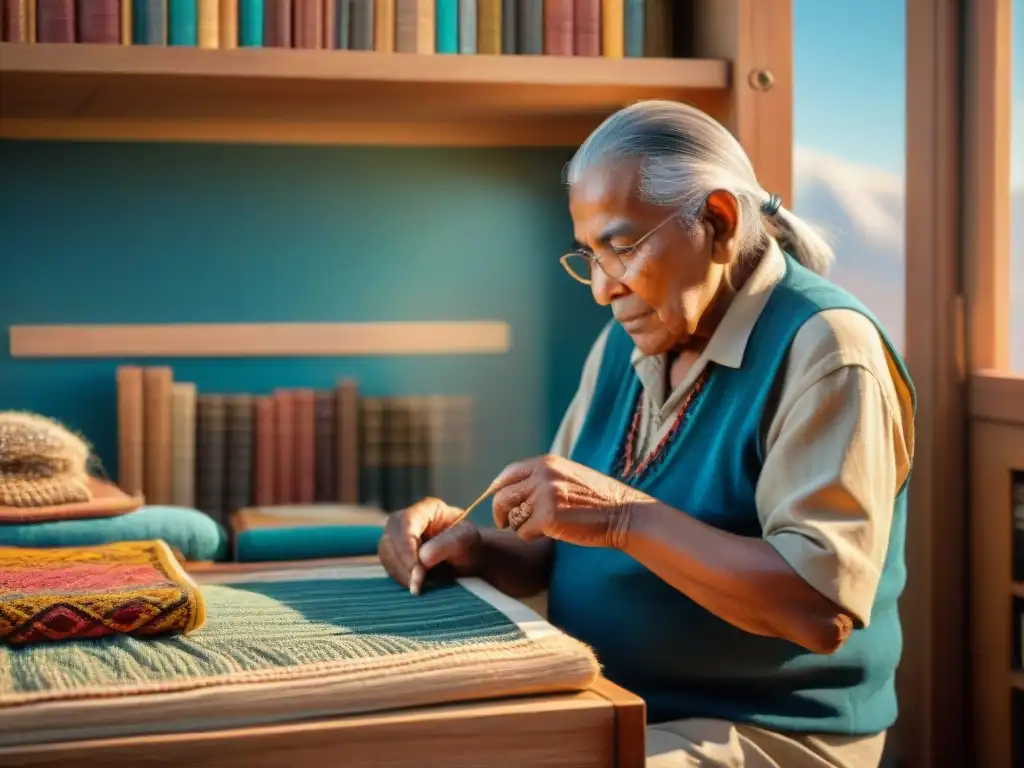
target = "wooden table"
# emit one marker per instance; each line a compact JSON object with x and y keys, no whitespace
{"x":602,"y":727}
{"x":599,"y":728}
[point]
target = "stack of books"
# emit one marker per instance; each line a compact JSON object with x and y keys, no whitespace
{"x":223,"y":452}
{"x":609,"y":28}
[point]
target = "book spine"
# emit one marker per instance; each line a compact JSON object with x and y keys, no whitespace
{"x":277,"y":24}
{"x":55,"y":21}
{"x":208,"y":12}
{"x":509,"y":27}
{"x":426,"y":30}
{"x":158,"y":382}
{"x":343,"y":25}
{"x":326,"y":463}
{"x":447,"y":21}
{"x":405,"y":25}
{"x":586,"y":21}
{"x":361,"y":25}
{"x":348,"y":451}
{"x":531,"y":27}
{"x":659,"y":24}
{"x":211,"y":455}
{"x":558,"y":27}
{"x":384,"y":26}
{"x":488,"y":27}
{"x":635,"y":28}
{"x":250,"y":23}
{"x":371,"y":424}
{"x":395,"y":454}
{"x":183,"y":444}
{"x":304,"y":415}
{"x":419,"y":449}
{"x":330,"y":14}
{"x":149,"y":18}
{"x":308,"y":23}
{"x":99,"y":22}
{"x":227,"y":25}
{"x":126,"y":22}
{"x":182,"y":23}
{"x":467,"y":26}
{"x":16,"y":21}
{"x":613,"y":32}
{"x":264,"y":451}
{"x":284,"y":436}
{"x":130,"y":430}
{"x":238,"y":454}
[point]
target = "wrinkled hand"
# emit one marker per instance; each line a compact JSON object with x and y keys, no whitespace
{"x":558,"y":498}
{"x":423,"y":537}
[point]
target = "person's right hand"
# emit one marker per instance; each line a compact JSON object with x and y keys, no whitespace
{"x":422,"y":537}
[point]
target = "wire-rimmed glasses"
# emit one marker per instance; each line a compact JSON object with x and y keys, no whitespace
{"x":614,"y":262}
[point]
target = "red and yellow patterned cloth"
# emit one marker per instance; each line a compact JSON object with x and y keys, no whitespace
{"x":137,"y":588}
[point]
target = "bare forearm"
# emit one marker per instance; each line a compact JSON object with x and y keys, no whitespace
{"x":740,"y":579}
{"x":518,"y":568}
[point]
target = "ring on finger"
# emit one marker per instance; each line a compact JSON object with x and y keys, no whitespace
{"x":518,"y":516}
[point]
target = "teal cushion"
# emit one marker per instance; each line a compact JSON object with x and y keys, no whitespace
{"x":306,"y":543}
{"x":195,"y":535}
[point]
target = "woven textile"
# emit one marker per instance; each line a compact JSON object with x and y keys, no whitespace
{"x":44,"y":474}
{"x":290,"y":646}
{"x":129,"y":588}
{"x":41,"y":462}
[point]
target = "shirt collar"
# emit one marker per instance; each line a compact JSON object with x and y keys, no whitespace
{"x":729,"y":341}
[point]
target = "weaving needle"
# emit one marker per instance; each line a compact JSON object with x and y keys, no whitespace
{"x":419,"y":573}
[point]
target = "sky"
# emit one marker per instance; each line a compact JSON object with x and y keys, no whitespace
{"x":850,"y":81}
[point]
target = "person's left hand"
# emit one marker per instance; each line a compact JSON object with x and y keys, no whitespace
{"x":558,"y":498}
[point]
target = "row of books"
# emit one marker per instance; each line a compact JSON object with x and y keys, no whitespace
{"x":221,"y":453}
{"x":610,"y":28}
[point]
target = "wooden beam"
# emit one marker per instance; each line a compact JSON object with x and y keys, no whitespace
{"x":757,"y":37}
{"x":986,"y":177}
{"x":932,"y":681}
{"x":260,"y":339}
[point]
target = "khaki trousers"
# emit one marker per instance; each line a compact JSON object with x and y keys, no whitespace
{"x":701,"y":743}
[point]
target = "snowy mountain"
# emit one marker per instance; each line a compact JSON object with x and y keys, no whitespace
{"x":861,"y":210}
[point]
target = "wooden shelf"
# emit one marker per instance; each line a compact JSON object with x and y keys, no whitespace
{"x":345,"y":97}
{"x":1017,"y":680}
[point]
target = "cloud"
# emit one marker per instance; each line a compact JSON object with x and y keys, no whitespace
{"x":863,"y":210}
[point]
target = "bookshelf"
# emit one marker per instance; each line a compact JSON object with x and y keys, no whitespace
{"x":739,"y":70}
{"x":997,"y":564}
{"x":345,"y":97}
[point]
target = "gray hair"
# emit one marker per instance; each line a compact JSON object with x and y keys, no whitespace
{"x":686,"y":155}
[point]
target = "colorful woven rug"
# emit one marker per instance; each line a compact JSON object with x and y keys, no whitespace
{"x":289,"y":645}
{"x":77,"y":593}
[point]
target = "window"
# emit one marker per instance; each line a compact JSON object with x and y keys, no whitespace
{"x":849,"y":133}
{"x":1016,"y":313}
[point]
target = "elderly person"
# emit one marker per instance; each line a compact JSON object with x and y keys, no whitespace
{"x":722,"y":514}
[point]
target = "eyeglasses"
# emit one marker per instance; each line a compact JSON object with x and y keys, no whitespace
{"x":614,"y":263}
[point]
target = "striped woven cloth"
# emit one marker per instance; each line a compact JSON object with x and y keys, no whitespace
{"x":74,"y":593}
{"x":286,"y":645}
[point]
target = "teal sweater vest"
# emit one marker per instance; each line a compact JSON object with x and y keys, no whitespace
{"x":652,"y":639}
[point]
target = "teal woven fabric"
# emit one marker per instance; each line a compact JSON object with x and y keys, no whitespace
{"x":267,"y":627}
{"x":268,"y":545}
{"x":193,"y":534}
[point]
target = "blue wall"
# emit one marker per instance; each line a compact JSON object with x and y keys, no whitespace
{"x":136,"y":233}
